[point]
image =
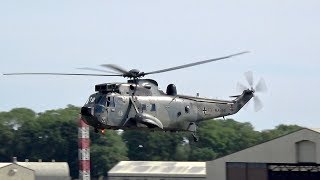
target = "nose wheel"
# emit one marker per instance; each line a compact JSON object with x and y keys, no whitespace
{"x":193,"y":128}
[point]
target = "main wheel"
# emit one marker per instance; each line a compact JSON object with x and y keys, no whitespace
{"x":195,"y":139}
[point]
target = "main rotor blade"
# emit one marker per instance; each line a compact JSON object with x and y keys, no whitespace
{"x":261,"y":86}
{"x":194,"y":64}
{"x":257,"y":104}
{"x":249,"y":78}
{"x":116,"y":68}
{"x":99,"y":70}
{"x":63,"y":74}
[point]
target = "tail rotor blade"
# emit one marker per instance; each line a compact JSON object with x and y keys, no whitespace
{"x":249,"y":77}
{"x":241,"y":87}
{"x":261,"y":86}
{"x":257,"y":104}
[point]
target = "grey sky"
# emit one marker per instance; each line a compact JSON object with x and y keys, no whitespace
{"x":60,"y":36}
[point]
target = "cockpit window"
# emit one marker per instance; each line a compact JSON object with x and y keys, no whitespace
{"x":95,"y":99}
{"x":91,"y":99}
{"x":102,"y":101}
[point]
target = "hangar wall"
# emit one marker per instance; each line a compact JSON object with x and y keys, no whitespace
{"x":298,"y":146}
{"x":34,"y":170}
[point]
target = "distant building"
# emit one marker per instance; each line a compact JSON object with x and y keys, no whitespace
{"x":294,"y":156}
{"x":157,"y":170}
{"x":34,"y":171}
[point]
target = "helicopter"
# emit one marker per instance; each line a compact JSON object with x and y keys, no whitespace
{"x":140,"y":104}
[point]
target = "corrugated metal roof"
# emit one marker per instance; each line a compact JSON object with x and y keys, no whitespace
{"x":315,"y":129}
{"x":161,"y":168}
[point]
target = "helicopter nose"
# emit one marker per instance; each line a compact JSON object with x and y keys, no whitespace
{"x":86,"y":111}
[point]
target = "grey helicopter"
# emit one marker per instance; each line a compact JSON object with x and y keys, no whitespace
{"x":140,"y":104}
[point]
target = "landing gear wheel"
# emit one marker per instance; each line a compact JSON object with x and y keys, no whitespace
{"x":195,"y":137}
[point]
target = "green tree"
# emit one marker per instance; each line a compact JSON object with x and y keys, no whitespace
{"x":16,"y":117}
{"x":10,"y":124}
{"x":163,"y":145}
{"x":278,"y":131}
{"x":147,"y":146}
{"x":136,"y":141}
{"x":6,"y":141}
{"x":222,"y":137}
{"x":202,"y":154}
{"x":52,"y":135}
{"x":106,"y":151}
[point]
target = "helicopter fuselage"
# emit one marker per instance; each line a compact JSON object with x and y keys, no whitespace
{"x":140,"y":104}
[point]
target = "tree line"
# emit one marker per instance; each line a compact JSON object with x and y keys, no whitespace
{"x":53,"y":134}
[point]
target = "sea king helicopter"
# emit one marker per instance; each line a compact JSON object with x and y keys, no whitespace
{"x":140,"y":104}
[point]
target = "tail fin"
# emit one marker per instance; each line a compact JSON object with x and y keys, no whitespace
{"x":242,"y":99}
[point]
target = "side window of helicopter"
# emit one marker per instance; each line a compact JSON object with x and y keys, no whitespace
{"x":187,"y":109}
{"x":110,"y":102}
{"x":153,"y":107}
{"x":144,"y":107}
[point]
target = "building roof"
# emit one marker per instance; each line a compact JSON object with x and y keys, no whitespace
{"x":4,"y":164}
{"x":315,"y":129}
{"x":47,"y":168}
{"x":159,"y":168}
{"x":44,"y":168}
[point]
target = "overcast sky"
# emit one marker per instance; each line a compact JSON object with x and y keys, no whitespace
{"x":60,"y":36}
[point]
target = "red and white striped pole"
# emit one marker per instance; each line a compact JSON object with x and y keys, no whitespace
{"x":84,"y":150}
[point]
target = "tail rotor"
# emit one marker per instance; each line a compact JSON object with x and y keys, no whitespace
{"x":260,"y":87}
